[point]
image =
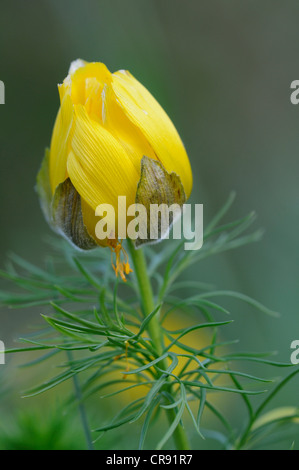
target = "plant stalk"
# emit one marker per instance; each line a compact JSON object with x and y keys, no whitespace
{"x":154,"y":329}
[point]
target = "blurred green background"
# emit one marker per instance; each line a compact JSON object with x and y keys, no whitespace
{"x":222,"y":70}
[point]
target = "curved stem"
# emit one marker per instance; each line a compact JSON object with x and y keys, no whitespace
{"x":154,"y":329}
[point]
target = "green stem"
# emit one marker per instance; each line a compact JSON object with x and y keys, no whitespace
{"x":154,"y":329}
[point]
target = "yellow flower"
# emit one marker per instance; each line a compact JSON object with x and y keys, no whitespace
{"x":106,"y":124}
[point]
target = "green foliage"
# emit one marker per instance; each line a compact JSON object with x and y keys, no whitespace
{"x":97,"y":326}
{"x":28,"y":432}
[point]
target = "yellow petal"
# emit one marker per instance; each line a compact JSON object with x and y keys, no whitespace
{"x":145,"y":112}
{"x":84,"y":79}
{"x":84,"y":84}
{"x":60,"y":143}
{"x":66,"y":86}
{"x":90,"y":221}
{"x":98,"y":166}
{"x":76,"y":64}
{"x":128,"y":134}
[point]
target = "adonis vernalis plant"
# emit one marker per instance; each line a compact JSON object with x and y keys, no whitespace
{"x":115,"y":329}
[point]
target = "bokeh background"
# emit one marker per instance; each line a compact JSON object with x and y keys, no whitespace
{"x":222,"y":70}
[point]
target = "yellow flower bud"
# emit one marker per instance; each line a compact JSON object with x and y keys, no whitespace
{"x":106,"y":124}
